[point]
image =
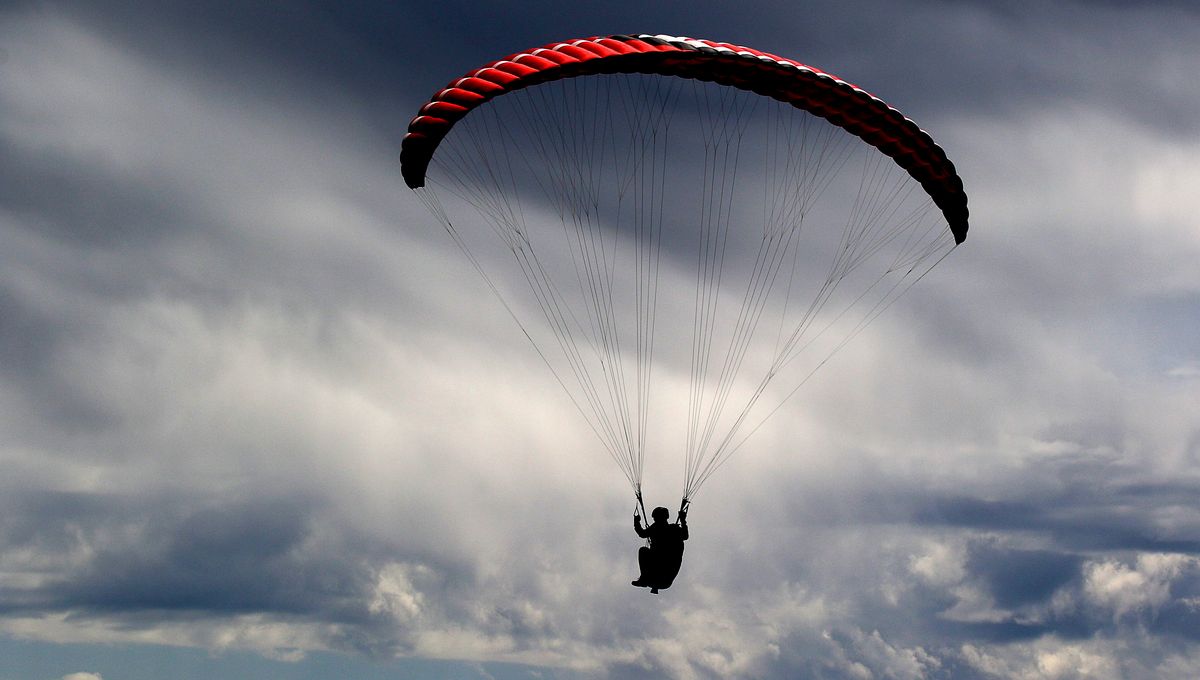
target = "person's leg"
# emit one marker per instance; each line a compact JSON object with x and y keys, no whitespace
{"x":645,"y":563}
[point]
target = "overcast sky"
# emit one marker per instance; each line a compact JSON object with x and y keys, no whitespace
{"x":258,"y":417}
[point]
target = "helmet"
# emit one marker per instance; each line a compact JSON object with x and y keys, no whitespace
{"x":660,"y":513}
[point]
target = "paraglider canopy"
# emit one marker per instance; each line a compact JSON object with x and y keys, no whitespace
{"x":766,"y":209}
{"x":786,"y":80}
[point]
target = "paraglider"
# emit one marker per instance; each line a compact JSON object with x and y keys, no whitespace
{"x":686,"y":230}
{"x":660,"y":561}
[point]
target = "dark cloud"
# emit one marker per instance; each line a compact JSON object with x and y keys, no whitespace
{"x":28,"y":338}
{"x":86,"y":201}
{"x":1018,"y":577}
{"x":972,"y":57}
{"x":1179,"y":619}
{"x":1084,"y":502}
{"x":231,"y":558}
{"x":166,"y":555}
{"x":1120,"y":518}
{"x":156,"y":560}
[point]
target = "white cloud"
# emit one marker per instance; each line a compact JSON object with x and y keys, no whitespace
{"x":940,"y":564}
{"x":1046,"y":659}
{"x":1070,"y":661}
{"x":1140,"y":589}
{"x":1188,"y":369}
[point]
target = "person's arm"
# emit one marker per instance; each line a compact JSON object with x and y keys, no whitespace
{"x":637,"y":526}
{"x":683,"y":524}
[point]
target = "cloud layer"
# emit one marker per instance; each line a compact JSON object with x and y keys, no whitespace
{"x":251,"y":397}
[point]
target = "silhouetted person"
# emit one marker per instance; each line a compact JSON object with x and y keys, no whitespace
{"x":660,"y":562}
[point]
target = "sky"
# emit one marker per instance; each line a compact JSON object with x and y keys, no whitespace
{"x":260,"y":419}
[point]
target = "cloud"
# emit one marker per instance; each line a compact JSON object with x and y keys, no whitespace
{"x":251,"y":398}
{"x":1143,"y":588}
{"x":82,"y":676}
{"x":1188,"y":369}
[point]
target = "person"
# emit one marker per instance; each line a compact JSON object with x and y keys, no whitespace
{"x":660,"y":562}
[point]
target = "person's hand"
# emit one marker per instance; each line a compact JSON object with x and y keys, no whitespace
{"x":683,"y":515}
{"x":637,"y":519}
